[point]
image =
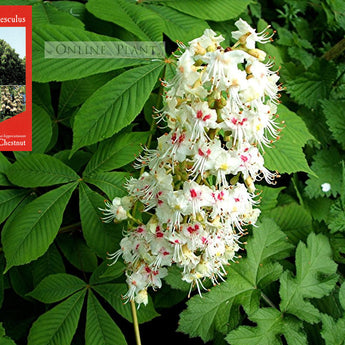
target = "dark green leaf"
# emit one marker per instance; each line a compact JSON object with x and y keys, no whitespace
{"x":9,"y":200}
{"x":100,"y":328}
{"x":58,"y":325}
{"x":33,"y":230}
{"x":114,"y":105}
{"x":4,"y":165}
{"x":56,"y":287}
{"x":41,"y":129}
{"x":101,"y":237}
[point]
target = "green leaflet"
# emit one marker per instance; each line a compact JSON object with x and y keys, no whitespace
{"x":58,"y":325}
{"x":286,"y":155}
{"x":100,"y":328}
{"x":270,"y":324}
{"x":111,"y":183}
{"x":33,"y":230}
{"x":115,"y":105}
{"x":44,"y":69}
{"x":144,"y":24}
{"x":9,"y":200}
{"x":38,"y":170}
{"x":315,"y":278}
{"x":116,"y":152}
{"x":100,"y":237}
{"x":4,"y":165}
{"x":113,"y":293}
{"x":211,"y":313}
{"x":56,"y":287}
{"x":41,"y":129}
{"x":45,"y":13}
{"x":216,"y":10}
{"x":179,"y":26}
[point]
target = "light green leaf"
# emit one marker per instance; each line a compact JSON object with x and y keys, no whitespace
{"x":38,"y":170}
{"x":271,"y":323}
{"x":342,"y":295}
{"x":58,"y":325}
{"x":114,"y":271}
{"x":113,"y":293}
{"x":114,"y":105}
{"x":116,"y":152}
{"x":269,"y":197}
{"x":45,"y":13}
{"x":44,"y":69}
{"x":49,"y":263}
{"x":100,"y":328}
{"x":41,"y":129}
{"x":336,"y":217}
{"x":327,"y":166}
{"x":33,"y":230}
{"x":146,"y":25}
{"x":9,"y":200}
{"x":315,"y":278}
{"x":100,"y":237}
{"x":286,"y":155}
{"x":111,"y":183}
{"x":333,"y":331}
{"x":75,"y":92}
{"x":216,"y":10}
{"x":77,"y":252}
{"x":179,"y":26}
{"x":335,"y":119}
{"x":56,"y":287}
{"x":74,"y":8}
{"x":204,"y":316}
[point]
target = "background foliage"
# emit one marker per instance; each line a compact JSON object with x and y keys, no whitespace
{"x":90,"y":117}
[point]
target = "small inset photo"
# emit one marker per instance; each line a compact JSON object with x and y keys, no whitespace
{"x":12,"y":55}
{"x":12,"y":101}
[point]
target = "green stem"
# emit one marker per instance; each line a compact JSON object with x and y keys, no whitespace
{"x":70,"y":227}
{"x":268,"y":301}
{"x":135,"y":323}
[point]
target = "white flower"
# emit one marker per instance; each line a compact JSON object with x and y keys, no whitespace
{"x":326,"y":187}
{"x":249,"y":35}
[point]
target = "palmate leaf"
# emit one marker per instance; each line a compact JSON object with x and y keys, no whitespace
{"x":100,"y":328}
{"x":211,"y":313}
{"x":315,"y":278}
{"x":44,"y":69}
{"x":56,"y":287}
{"x":58,"y":325}
{"x":116,"y":152}
{"x":114,"y":105}
{"x":144,"y":24}
{"x":33,"y":230}
{"x":333,"y":331}
{"x":271,"y":323}
{"x":287,"y":156}
{"x":101,"y":237}
{"x":38,"y":170}
{"x":179,"y":26}
{"x":216,"y":10}
{"x":4,"y":165}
